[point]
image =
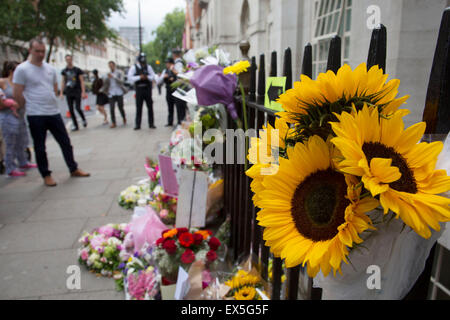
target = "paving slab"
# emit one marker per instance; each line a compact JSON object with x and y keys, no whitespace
{"x":16,"y":212}
{"x":72,"y":208}
{"x":39,"y":236}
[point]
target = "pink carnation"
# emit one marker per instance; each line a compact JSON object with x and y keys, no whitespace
{"x":84,"y":255}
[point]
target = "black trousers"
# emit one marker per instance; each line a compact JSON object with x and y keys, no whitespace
{"x":112,"y":106}
{"x":144,"y":94}
{"x":74,"y":102}
{"x":171,"y":106}
{"x":38,"y":129}
{"x":181,"y":109}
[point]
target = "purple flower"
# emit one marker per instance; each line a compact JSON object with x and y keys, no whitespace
{"x":119,"y":247}
{"x":122,"y":265}
{"x":136,"y":254}
{"x":100,"y":250}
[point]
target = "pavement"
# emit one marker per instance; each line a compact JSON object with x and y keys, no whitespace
{"x":40,"y":226}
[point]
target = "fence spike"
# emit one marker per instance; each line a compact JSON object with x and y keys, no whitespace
{"x":287,"y":68}
{"x":378,"y":48}
{"x":307,"y":61}
{"x":273,"y":65}
{"x":261,"y":79}
{"x":437,"y":110}
{"x":334,"y":55}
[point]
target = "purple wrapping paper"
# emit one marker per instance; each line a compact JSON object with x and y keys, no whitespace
{"x":213,"y":87}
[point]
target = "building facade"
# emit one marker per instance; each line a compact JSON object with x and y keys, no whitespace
{"x":274,"y":25}
{"x":132,"y":35}
{"x":92,"y":56}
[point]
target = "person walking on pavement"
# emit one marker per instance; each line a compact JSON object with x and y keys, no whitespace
{"x":142,"y":75}
{"x":115,"y":90}
{"x":14,"y":128}
{"x":73,"y":87}
{"x":178,"y":68}
{"x":168,"y":77}
{"x":36,"y":88}
{"x":102,"y":98}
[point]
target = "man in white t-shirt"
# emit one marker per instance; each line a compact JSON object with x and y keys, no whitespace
{"x":36,"y":88}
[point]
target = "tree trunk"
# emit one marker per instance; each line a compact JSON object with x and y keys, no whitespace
{"x":50,"y":49}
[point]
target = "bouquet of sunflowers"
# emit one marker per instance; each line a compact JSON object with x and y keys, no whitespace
{"x":245,"y":286}
{"x":338,"y":153}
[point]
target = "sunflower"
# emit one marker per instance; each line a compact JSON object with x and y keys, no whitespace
{"x":311,"y":213}
{"x":394,"y":166}
{"x":311,"y":103}
{"x":246,"y":293}
{"x":264,"y":151}
{"x":237,"y":68}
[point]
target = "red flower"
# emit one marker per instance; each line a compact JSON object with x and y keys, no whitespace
{"x":198,"y":239}
{"x":186,"y":239}
{"x":170,"y":246}
{"x":182,"y":230}
{"x":159,"y":241}
{"x":188,"y":257}
{"x":211,"y":256}
{"x":167,"y":282}
{"x":214,"y":243}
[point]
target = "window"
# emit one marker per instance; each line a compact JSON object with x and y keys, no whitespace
{"x":440,"y":277}
{"x":331,"y":18}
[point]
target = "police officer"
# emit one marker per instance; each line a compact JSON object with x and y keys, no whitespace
{"x":142,"y":75}
{"x":168,"y":77}
{"x":177,"y":68}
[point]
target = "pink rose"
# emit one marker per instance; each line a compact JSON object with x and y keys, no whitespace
{"x":84,"y":255}
{"x":164,"y":213}
{"x":106,"y":230}
{"x":97,"y":241}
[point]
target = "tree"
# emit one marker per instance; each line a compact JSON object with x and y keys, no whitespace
{"x":48,"y":18}
{"x":169,"y":35}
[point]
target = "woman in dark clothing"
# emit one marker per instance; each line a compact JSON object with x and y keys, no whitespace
{"x":102,"y":98}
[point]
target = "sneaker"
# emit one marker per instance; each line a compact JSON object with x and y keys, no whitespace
{"x":168,"y":125}
{"x":136,"y":129}
{"x":84,"y":123}
{"x":75,"y":129}
{"x":29,"y":166}
{"x":152,"y":127}
{"x":17,"y":173}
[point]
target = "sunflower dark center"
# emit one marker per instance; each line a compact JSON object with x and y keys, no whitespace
{"x":407,"y":182}
{"x":318,"y":205}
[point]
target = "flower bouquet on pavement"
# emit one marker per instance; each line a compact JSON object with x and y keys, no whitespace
{"x":135,"y":195}
{"x":164,"y":205}
{"x":100,"y":250}
{"x":336,"y":168}
{"x":182,"y":247}
{"x":139,"y":278}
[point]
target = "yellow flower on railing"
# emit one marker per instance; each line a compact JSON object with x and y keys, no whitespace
{"x":237,"y":68}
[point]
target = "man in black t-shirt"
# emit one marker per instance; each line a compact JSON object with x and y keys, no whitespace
{"x":73,"y":87}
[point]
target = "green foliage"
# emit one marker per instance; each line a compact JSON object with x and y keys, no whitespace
{"x":48,"y":18}
{"x":169,"y":35}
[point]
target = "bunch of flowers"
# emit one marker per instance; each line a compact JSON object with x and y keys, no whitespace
{"x":100,"y":250}
{"x":343,"y":151}
{"x":139,"y":278}
{"x":152,"y":169}
{"x":164,"y":205}
{"x":243,"y":286}
{"x":182,"y":247}
{"x":135,"y":195}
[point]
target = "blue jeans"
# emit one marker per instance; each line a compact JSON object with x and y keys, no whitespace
{"x":38,"y":129}
{"x":15,"y":135}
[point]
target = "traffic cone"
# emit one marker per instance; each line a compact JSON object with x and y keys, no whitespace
{"x":68,"y":114}
{"x":87,"y":108}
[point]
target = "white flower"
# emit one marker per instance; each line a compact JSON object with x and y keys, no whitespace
{"x":114,"y":242}
{"x":93,"y":257}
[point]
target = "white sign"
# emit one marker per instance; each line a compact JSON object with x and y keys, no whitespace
{"x":192,"y":196}
{"x":183,"y":284}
